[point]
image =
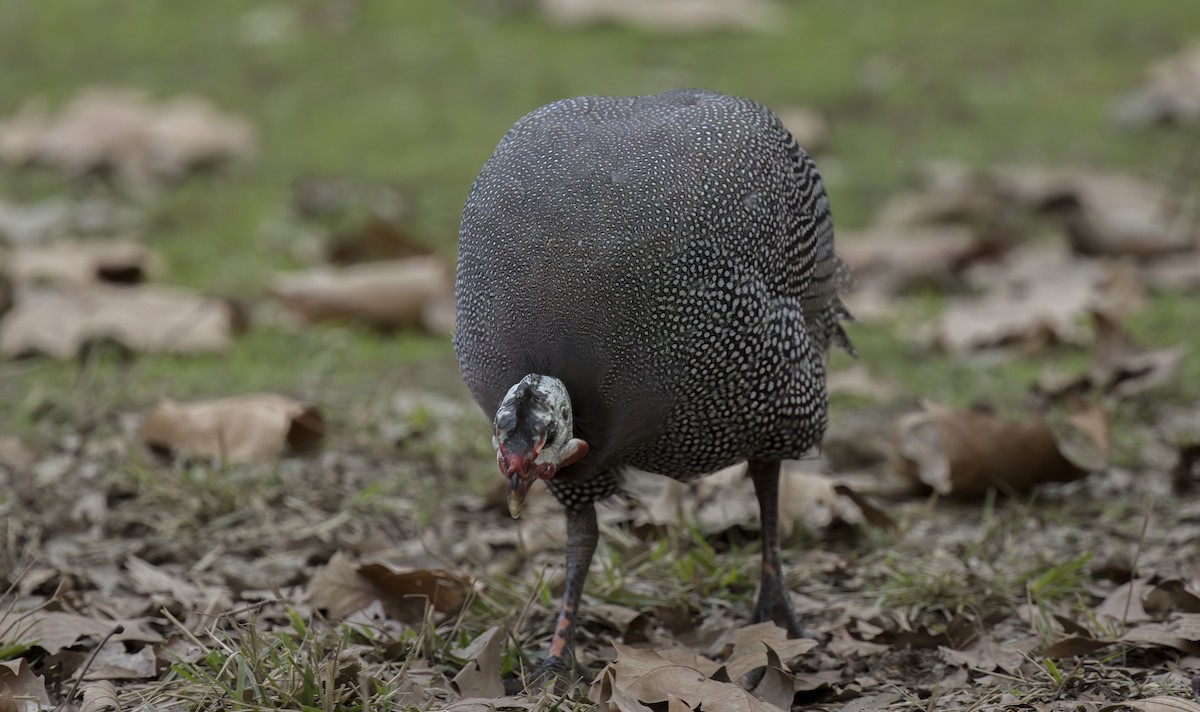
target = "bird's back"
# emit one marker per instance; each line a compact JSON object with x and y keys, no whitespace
{"x":673,"y":249}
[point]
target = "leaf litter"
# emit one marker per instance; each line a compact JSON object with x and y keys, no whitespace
{"x":139,"y":140}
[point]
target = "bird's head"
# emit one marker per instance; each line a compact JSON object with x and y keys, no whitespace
{"x":534,"y":435}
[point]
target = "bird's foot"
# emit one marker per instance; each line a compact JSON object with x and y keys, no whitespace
{"x":774,"y":607}
{"x":553,"y":671}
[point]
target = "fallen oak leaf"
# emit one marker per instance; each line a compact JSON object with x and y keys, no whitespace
{"x":816,"y":501}
{"x":146,"y":318}
{"x":897,"y":259}
{"x":649,"y":679}
{"x":1103,"y":213}
{"x":404,"y":293}
{"x":376,"y":240}
{"x":1036,"y":298}
{"x":1121,"y":368}
{"x":966,"y":452}
{"x":18,"y":680}
{"x":250,"y":428}
{"x":630,"y":624}
{"x":1181,"y":633}
{"x":1125,"y":604}
{"x":750,"y":647}
{"x":79,"y":262}
{"x":148,"y":579}
{"x":125,"y":132}
{"x":689,"y":658}
{"x":345,"y":585}
{"x":55,"y":630}
{"x":480,"y":677}
{"x":1171,"y":596}
{"x":1115,"y":214}
{"x":987,"y":654}
{"x":778,"y":686}
{"x":1074,"y":645}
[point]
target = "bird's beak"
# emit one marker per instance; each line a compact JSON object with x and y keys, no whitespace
{"x":518,"y":488}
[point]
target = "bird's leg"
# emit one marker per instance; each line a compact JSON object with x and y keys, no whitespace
{"x":774,"y":604}
{"x":582,"y":536}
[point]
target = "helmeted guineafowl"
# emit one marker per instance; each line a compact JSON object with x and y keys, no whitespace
{"x":647,"y":282}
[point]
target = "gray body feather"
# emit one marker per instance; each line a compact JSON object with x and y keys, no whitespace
{"x":670,"y":258}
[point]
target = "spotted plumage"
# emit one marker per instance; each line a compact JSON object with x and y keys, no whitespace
{"x":670,"y":260}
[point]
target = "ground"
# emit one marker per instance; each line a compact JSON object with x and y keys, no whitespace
{"x":415,"y":95}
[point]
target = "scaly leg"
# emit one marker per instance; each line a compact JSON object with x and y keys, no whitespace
{"x":582,"y":536}
{"x":774,"y":604}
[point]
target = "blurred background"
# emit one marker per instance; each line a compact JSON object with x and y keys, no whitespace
{"x":392,"y":108}
{"x":208,"y":200}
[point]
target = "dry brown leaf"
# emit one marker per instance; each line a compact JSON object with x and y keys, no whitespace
{"x":338,"y":588}
{"x":816,"y":501}
{"x":480,"y":677}
{"x":1122,"y":215}
{"x":897,"y":259}
{"x":631,"y":625}
{"x":1121,"y":368}
{"x":18,"y":680}
{"x":151,"y":319}
{"x":80,"y":262}
{"x":1179,"y":273}
{"x":251,"y":428}
{"x":724,"y":500}
{"x":748,"y":648}
{"x":778,"y":686}
{"x":689,"y":658}
{"x":662,"y":15}
{"x":408,"y":588}
{"x":345,"y":585}
{"x":404,"y":293}
{"x":1103,"y":213}
{"x":112,"y":662}
{"x":99,"y":697}
{"x":123,"y":131}
{"x":1171,"y":93}
{"x":1156,"y":704}
{"x":1037,"y":298}
{"x":649,"y":679}
{"x":1074,"y":645}
{"x":966,"y":452}
{"x":1124,"y":605}
{"x":1181,"y":633}
{"x":55,"y":630}
{"x":1170,"y":597}
{"x":987,"y":654}
{"x":374,"y":241}
{"x":149,"y":579}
